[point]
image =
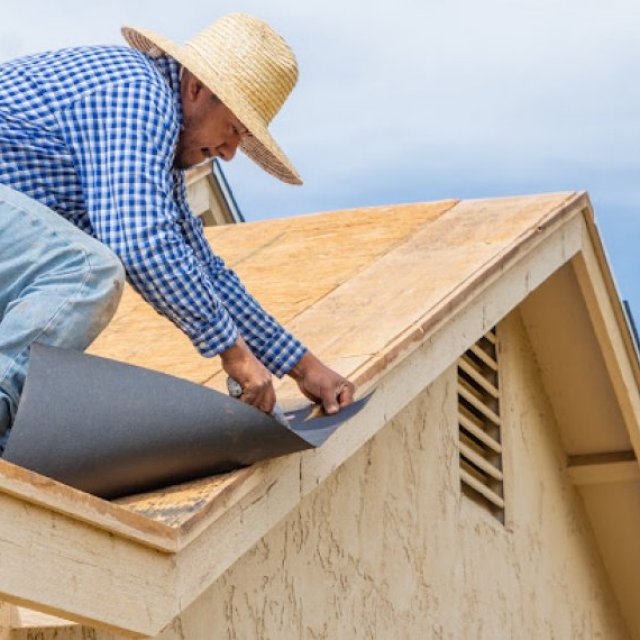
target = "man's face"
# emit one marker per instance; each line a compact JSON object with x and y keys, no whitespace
{"x":209,"y":130}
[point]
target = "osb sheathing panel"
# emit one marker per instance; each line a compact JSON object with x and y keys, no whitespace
{"x":388,"y":548}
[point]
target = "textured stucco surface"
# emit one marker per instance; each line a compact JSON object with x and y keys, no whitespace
{"x":389,"y":548}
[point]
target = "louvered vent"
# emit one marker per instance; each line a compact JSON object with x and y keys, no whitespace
{"x":480,"y":426}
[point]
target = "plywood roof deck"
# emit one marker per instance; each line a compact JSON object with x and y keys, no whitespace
{"x":357,"y":286}
{"x":290,"y":264}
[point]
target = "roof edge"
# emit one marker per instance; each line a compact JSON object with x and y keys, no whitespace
{"x":39,"y":490}
{"x":618,"y":308}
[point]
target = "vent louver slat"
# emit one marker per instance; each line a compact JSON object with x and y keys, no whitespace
{"x":477,"y":432}
{"x":491,"y":496}
{"x":481,"y":354}
{"x":478,"y":405}
{"x":479,"y":425}
{"x":468,"y":368}
{"x":491,"y":336}
{"x":477,"y":460}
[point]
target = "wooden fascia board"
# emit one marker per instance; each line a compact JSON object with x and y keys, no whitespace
{"x":610,"y":326}
{"x":458,"y":323}
{"x":61,"y":566}
{"x":613,"y":296}
{"x":57,"y":497}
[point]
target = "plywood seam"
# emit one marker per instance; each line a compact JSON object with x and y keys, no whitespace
{"x":390,"y":249}
{"x":256,"y":251}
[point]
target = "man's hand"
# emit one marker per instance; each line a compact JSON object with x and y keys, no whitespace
{"x":321,"y":384}
{"x":254,"y":378}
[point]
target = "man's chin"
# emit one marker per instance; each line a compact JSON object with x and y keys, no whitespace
{"x":184,"y":163}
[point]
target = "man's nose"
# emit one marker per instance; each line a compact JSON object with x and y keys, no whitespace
{"x":228,"y":149}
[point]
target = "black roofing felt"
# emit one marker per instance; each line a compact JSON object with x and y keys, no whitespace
{"x":113,"y":429}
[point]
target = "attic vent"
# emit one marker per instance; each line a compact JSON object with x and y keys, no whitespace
{"x":479,"y":425}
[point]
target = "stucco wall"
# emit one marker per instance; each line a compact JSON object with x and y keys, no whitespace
{"x":388,"y":547}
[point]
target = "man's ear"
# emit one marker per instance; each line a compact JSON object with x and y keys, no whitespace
{"x":191,"y":87}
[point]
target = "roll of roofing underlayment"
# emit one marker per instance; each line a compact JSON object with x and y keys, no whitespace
{"x":113,"y":429}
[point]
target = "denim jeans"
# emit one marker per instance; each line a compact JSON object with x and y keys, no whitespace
{"x":58,"y":286}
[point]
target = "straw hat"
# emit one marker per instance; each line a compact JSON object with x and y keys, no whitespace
{"x":244,"y":62}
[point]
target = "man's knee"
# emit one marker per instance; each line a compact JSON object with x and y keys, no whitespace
{"x":108,"y":283}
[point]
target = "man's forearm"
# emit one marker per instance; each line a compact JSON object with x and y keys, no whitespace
{"x":269,"y":341}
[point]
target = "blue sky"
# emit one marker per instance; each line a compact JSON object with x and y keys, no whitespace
{"x":416,"y":100}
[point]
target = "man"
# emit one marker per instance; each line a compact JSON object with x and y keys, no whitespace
{"x":93,"y":144}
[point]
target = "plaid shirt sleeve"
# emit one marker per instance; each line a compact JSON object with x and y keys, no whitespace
{"x":277,"y":349}
{"x":123,"y":138}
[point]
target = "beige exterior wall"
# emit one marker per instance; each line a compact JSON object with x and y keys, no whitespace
{"x":388,"y":548}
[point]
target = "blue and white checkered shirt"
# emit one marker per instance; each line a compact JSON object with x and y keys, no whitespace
{"x":91,"y":133}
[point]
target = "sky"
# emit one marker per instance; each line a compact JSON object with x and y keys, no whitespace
{"x":417,"y":100}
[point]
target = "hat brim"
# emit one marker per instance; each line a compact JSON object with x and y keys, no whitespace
{"x":258,"y":143}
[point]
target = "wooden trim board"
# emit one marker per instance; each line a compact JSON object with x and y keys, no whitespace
{"x":92,"y":575}
{"x":38,"y":490}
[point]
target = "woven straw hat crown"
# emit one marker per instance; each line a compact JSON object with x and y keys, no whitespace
{"x":243,"y":61}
